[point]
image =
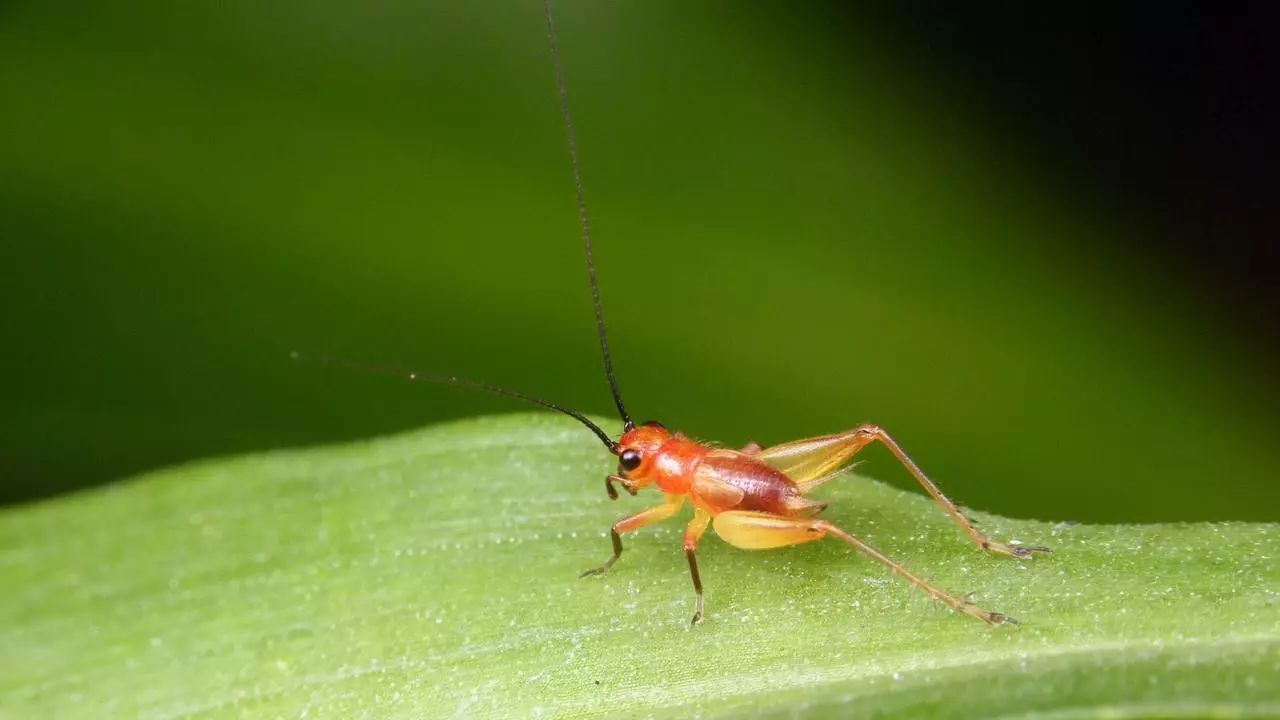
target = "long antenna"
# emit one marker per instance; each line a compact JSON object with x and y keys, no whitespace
{"x":582,"y":218}
{"x":458,"y":382}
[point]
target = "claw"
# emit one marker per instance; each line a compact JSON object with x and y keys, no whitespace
{"x":594,"y":571}
{"x":1029,"y":550}
{"x":995,"y":618}
{"x":1015,"y":550}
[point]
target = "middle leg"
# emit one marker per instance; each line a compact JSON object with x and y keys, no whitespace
{"x":693,"y":533}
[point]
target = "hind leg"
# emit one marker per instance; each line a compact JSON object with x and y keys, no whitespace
{"x":812,"y":461}
{"x":760,"y":531}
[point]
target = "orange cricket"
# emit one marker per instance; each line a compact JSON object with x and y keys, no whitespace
{"x":755,"y":498}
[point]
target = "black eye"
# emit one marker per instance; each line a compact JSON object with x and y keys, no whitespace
{"x":629,"y":460}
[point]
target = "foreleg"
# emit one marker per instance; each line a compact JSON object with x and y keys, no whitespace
{"x":625,"y":483}
{"x":635,"y":522}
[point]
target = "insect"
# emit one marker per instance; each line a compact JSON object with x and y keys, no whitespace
{"x":755,"y":498}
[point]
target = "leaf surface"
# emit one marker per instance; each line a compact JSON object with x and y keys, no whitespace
{"x":435,"y":574}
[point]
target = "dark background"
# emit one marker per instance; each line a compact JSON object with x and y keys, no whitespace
{"x":1164,"y":116}
{"x":1037,"y":248}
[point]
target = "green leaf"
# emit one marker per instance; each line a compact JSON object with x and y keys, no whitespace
{"x":435,"y":574}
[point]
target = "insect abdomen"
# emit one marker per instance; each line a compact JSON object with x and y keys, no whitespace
{"x":761,"y":488}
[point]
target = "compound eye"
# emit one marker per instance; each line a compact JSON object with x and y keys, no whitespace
{"x":629,"y":460}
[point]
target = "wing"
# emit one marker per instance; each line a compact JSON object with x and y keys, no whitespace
{"x":711,"y":489}
{"x":811,"y":461}
{"x":730,"y":480}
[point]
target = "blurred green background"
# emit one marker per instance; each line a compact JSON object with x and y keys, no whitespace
{"x":799,"y":227}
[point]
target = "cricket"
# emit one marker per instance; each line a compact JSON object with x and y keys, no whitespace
{"x":755,"y":498}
